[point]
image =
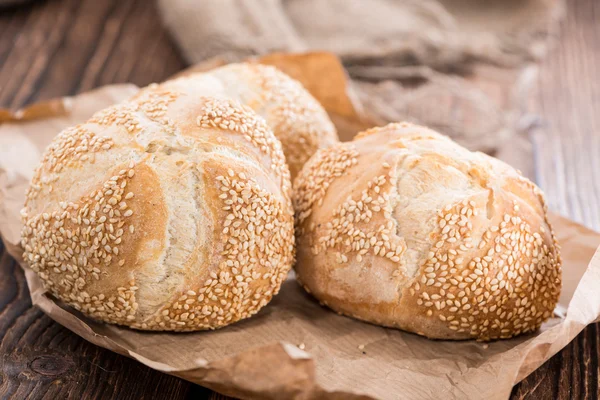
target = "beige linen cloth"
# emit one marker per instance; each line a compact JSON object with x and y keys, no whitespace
{"x":462,"y":67}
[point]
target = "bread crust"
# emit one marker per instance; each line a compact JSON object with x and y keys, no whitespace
{"x":170,"y":211}
{"x":297,"y":119}
{"x":404,"y":228}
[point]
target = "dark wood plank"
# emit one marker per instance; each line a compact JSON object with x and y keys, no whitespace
{"x":57,"y":48}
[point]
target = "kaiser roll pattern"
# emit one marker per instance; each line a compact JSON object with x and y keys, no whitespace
{"x":404,"y":228}
{"x":297,"y":119}
{"x":170,"y":211}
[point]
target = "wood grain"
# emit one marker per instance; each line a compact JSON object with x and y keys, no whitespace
{"x":58,"y":48}
{"x":568,"y":143}
{"x":55,"y":48}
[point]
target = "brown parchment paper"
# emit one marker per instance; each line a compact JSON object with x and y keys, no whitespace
{"x":260,"y":357}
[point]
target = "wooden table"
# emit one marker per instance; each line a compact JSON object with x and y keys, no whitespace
{"x":56,"y":48}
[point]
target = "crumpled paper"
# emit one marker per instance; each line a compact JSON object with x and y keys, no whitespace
{"x":341,"y":358}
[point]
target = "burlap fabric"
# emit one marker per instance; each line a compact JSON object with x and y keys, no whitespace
{"x":417,"y":60}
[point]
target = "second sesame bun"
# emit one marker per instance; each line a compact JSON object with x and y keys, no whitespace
{"x":404,"y":228}
{"x":170,"y":211}
{"x":297,"y":119}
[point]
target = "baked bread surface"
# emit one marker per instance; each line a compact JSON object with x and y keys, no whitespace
{"x":297,"y":119}
{"x":170,"y":211}
{"x":404,"y":228}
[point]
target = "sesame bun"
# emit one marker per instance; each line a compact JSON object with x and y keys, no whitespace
{"x":297,"y":119}
{"x":404,"y":228}
{"x":170,"y":211}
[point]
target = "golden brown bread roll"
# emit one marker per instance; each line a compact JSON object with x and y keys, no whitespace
{"x":404,"y":228}
{"x":170,"y":211}
{"x":296,"y":118}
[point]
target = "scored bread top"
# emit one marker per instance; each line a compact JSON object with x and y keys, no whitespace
{"x":170,"y":211}
{"x":405,"y":228}
{"x":297,"y":119}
